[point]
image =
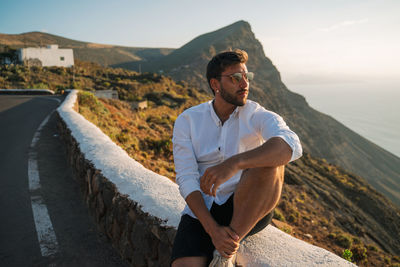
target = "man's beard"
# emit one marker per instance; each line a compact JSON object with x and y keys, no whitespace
{"x":230,"y":98}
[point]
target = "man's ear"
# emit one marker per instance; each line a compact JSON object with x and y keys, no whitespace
{"x":215,"y":84}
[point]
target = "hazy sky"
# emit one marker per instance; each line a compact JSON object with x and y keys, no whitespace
{"x":319,"y":40}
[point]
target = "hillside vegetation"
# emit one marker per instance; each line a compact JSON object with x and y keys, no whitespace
{"x":321,"y":203}
{"x":131,"y":86}
{"x":144,"y":134}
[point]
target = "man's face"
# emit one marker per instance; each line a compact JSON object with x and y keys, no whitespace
{"x":232,"y":91}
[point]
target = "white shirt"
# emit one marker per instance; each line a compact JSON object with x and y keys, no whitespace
{"x":201,"y":141}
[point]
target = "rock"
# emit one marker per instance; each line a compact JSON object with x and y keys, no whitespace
{"x":308,"y":236}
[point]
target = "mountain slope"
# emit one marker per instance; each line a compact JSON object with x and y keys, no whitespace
{"x":321,"y":135}
{"x":337,"y":209}
{"x":318,"y":198}
{"x":340,"y":210}
{"x":84,"y":51}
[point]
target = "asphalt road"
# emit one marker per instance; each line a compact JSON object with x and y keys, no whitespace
{"x":78,"y":243}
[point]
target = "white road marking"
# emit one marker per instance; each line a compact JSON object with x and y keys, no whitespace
{"x":46,"y":235}
{"x":44,"y":229}
{"x":33,"y":173}
{"x":37,"y":133}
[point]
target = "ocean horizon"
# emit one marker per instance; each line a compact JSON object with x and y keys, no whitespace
{"x":370,"y":109}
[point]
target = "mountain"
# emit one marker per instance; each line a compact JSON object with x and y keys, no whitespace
{"x":336,"y":208}
{"x":321,"y":135}
{"x":84,"y":51}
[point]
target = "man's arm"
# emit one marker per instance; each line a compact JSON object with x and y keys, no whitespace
{"x":275,"y":152}
{"x":224,"y":238}
{"x":187,"y":177}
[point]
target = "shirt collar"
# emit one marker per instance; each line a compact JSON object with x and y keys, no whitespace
{"x":215,"y":117}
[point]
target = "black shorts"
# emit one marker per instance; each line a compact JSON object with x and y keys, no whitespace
{"x":192,"y":240}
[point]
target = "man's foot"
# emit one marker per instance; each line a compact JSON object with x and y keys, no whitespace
{"x":219,"y":261}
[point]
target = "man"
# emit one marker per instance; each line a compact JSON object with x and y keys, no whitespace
{"x":229,"y":156}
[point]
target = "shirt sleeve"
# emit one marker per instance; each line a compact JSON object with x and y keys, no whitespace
{"x":186,"y":167}
{"x":273,"y":125}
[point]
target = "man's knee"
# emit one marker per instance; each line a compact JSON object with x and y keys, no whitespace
{"x":265,"y":172}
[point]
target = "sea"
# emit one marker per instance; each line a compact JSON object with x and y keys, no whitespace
{"x":371,"y":109}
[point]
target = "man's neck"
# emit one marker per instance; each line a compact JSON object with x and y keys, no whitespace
{"x":223,"y":110}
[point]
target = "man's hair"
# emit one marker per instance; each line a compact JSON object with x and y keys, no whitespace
{"x":219,"y":62}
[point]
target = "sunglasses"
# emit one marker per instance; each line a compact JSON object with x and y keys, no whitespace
{"x":237,"y":77}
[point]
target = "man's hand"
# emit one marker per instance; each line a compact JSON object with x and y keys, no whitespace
{"x":214,"y":176}
{"x":225,"y":240}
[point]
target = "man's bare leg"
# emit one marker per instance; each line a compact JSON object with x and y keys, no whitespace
{"x":190,"y":261}
{"x":256,"y":195}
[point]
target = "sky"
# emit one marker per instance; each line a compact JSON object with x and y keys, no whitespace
{"x":322,"y":48}
{"x":310,"y":41}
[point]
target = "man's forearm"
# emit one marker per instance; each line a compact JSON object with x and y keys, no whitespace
{"x":275,"y":152}
{"x":196,"y":203}
{"x":225,"y":240}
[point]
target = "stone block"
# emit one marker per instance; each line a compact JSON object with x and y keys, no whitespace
{"x":171,"y":233}
{"x":126,"y":250}
{"x":155,"y":230}
{"x":138,"y":235}
{"x":101,"y":223}
{"x":92,"y":204}
{"x":164,"y":254}
{"x":153,"y":263}
{"x":139,"y":259}
{"x":88,"y":179}
{"x":109,"y":221}
{"x":100,"y":208}
{"x":116,"y":232}
{"x":108,"y":193}
{"x":143,"y":240}
{"x":132,"y":215}
{"x":122,"y":205}
{"x":96,"y":182}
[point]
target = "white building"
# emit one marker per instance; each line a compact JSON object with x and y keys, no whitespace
{"x":110,"y":94}
{"x":48,"y":56}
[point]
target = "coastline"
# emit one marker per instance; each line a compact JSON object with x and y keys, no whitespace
{"x":366,"y":108}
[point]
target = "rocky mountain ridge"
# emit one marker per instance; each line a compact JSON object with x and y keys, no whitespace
{"x":321,"y":135}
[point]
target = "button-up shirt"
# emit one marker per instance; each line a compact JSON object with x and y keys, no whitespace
{"x":201,"y":141}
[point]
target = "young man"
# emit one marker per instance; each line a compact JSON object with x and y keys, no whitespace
{"x":229,"y":156}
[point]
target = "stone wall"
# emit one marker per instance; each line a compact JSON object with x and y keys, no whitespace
{"x":139,"y":237}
